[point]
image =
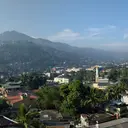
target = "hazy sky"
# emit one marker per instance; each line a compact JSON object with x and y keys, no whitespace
{"x":88,"y":23}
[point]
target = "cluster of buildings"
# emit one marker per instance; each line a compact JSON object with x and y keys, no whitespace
{"x":14,"y":94}
{"x":60,"y":72}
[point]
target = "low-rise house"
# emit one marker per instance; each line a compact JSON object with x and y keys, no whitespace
{"x":120,"y":123}
{"x":118,"y":108}
{"x":16,"y":100}
{"x":12,"y":85}
{"x":48,"y":74}
{"x":61,"y":79}
{"x":89,"y":69}
{"x":102,"y":83}
{"x":87,"y":120}
{"x":53,"y":119}
{"x":73,"y":69}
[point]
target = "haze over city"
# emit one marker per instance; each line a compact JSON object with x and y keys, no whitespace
{"x":86,"y":23}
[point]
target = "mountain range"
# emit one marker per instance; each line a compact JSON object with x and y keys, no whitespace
{"x":20,"y":52}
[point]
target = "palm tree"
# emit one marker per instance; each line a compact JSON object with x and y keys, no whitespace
{"x":22,"y":116}
{"x":115,"y":92}
{"x":110,"y":93}
{"x":25,"y":116}
{"x":94,"y":97}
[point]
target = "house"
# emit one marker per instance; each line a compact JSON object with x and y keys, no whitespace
{"x":53,"y":119}
{"x":12,"y":85}
{"x":118,"y":108}
{"x":87,"y":120}
{"x":61,"y":79}
{"x":119,"y":123}
{"x":16,"y":100}
{"x":48,"y":74}
{"x":73,"y":69}
{"x":58,"y":70}
{"x":89,"y":69}
{"x":50,"y":115}
{"x":103,"y":84}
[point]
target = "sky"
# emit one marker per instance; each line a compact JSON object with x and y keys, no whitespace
{"x":84,"y":23}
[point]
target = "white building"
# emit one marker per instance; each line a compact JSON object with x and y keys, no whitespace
{"x":73,"y":69}
{"x":89,"y":69}
{"x":84,"y":120}
{"x":61,"y":80}
{"x":48,"y":74}
{"x":125,"y":98}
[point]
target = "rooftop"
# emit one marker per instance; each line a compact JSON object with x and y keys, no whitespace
{"x":105,"y":80}
{"x":50,"y":114}
{"x":62,"y":76}
{"x":120,"y":123}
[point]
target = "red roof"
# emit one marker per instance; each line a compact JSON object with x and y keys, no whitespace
{"x":14,"y":99}
{"x":33,"y":97}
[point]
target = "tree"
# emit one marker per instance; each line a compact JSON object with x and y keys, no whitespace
{"x":114,"y":75}
{"x":49,"y":98}
{"x":73,"y":98}
{"x":124,"y":72}
{"x":33,"y":80}
{"x":115,"y":92}
{"x":124,"y":81}
{"x":109,"y":93}
{"x":25,"y":116}
{"x":84,"y":75}
{"x":14,"y":79}
{"x":64,"y":90}
{"x":94,"y":97}
{"x":3,"y":104}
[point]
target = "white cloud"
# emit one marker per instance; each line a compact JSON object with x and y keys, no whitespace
{"x":93,"y":32}
{"x":68,"y":35}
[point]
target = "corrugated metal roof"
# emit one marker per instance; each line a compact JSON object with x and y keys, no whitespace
{"x":120,"y":123}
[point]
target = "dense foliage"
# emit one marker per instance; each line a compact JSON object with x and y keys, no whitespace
{"x":83,"y":76}
{"x":28,"y":118}
{"x":33,"y":80}
{"x":76,"y":98}
{"x":49,"y":98}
